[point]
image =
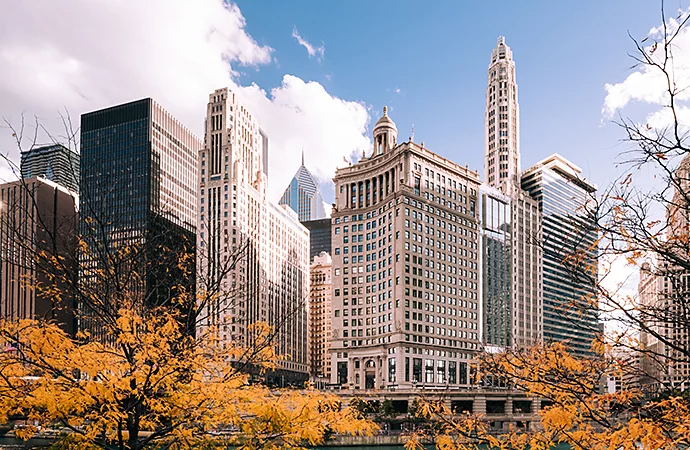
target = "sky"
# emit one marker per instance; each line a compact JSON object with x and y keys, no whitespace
{"x":317,"y":74}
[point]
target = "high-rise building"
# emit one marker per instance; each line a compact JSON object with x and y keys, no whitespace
{"x":320,"y":295}
{"x":38,"y":226}
{"x":137,"y":201}
{"x":515,"y":322}
{"x":405,"y":268}
{"x":570,"y":252}
{"x":502,"y":163}
{"x":53,"y":162}
{"x":663,"y":290}
{"x":303,"y":195}
{"x":496,"y":263}
{"x":253,"y":256}
{"x":319,"y":236}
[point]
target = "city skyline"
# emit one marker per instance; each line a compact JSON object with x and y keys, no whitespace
{"x":301,"y":86}
{"x":451,"y":262}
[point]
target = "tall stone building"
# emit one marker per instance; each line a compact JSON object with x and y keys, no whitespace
{"x":320,"y":306}
{"x":253,"y":255}
{"x":304,"y":196}
{"x":138,"y":203}
{"x":664,"y":290}
{"x":406,"y":307}
{"x":53,"y":162}
{"x":511,"y":319}
{"x":38,"y":222}
{"x":570,"y":253}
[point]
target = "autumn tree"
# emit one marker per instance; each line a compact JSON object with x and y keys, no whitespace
{"x":136,"y":375}
{"x":643,"y":222}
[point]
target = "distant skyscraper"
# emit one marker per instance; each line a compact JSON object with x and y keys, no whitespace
{"x":319,"y":236}
{"x":138,"y":178}
{"x":253,"y":253}
{"x":38,"y":221}
{"x":320,"y":297}
{"x":303,"y":195}
{"x":516,"y":323}
{"x":55,"y":163}
{"x":570,"y":253}
{"x":405,"y":268}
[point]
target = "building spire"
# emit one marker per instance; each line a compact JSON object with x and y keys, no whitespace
{"x":501,"y":120}
{"x":302,"y":156}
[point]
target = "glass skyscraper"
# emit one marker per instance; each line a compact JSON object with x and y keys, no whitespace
{"x":53,"y":162}
{"x":496,"y":238}
{"x":569,"y":251}
{"x":303,"y":195}
{"x":138,"y":178}
{"x":319,"y":236}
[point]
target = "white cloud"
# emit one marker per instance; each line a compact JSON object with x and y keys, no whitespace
{"x":647,"y":84}
{"x":300,"y":114}
{"x":84,"y":55}
{"x":317,"y":52}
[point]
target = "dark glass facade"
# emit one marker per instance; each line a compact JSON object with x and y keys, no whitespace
{"x":54,"y":162}
{"x":496,"y":268}
{"x":569,"y":255}
{"x":120,"y":204}
{"x":319,"y":236}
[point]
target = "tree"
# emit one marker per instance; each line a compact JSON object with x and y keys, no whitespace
{"x":136,"y":375}
{"x":647,"y":347}
{"x":155,"y":386}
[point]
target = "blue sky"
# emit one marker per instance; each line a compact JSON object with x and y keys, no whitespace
{"x":427,"y":61}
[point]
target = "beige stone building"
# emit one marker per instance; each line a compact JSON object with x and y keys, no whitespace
{"x":320,"y":296}
{"x":252,"y":255}
{"x":405,"y":268}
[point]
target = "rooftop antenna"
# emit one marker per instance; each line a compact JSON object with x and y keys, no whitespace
{"x":412,"y":135}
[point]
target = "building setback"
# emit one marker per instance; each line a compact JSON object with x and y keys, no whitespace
{"x":138,"y":192}
{"x":53,"y":162}
{"x":38,"y":221}
{"x":512,"y":314}
{"x":253,"y":256}
{"x":569,"y":251}
{"x":405,"y":277}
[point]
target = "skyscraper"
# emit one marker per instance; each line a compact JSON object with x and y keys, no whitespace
{"x":502,"y":164}
{"x":38,"y":226}
{"x":569,"y":251}
{"x":320,"y":298}
{"x":319,"y":236}
{"x":53,"y":162}
{"x":496,"y":258}
{"x":515,"y":322}
{"x":138,"y":200}
{"x":663,"y":292}
{"x":405,"y":259}
{"x":253,"y":255}
{"x":303,"y":195}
